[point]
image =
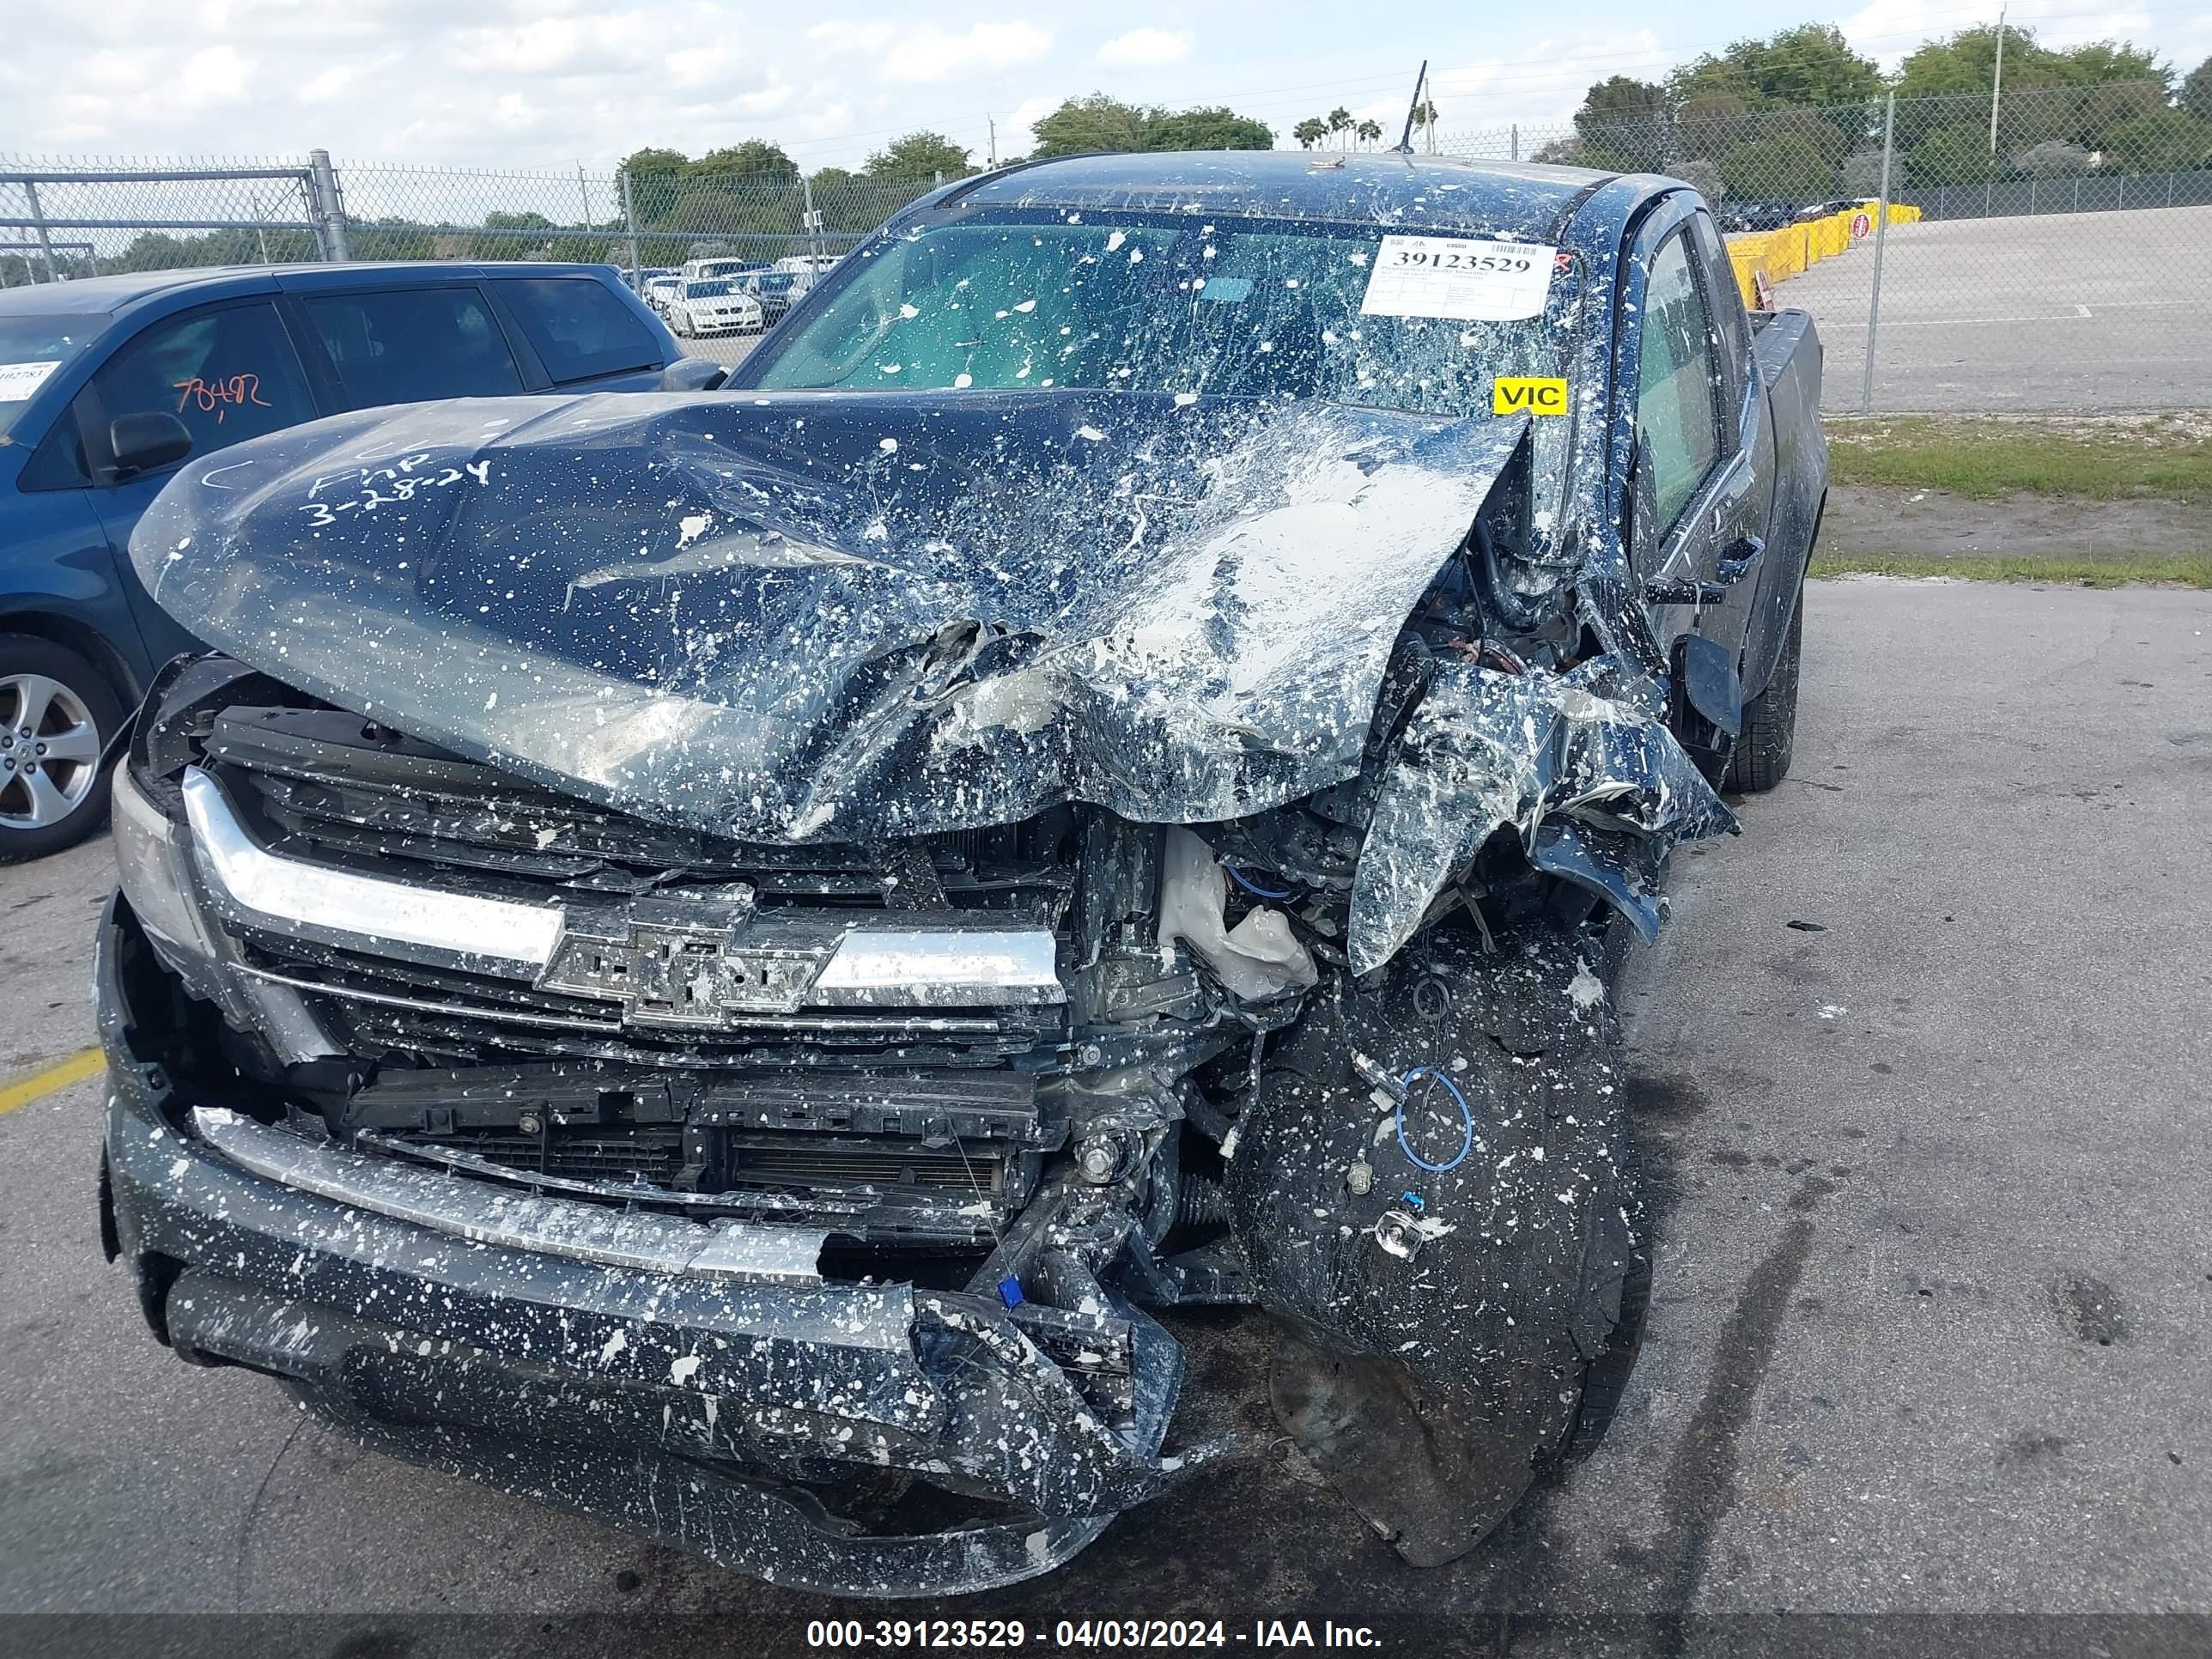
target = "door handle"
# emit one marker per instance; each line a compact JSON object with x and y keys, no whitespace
{"x":1677,"y":589}
{"x":1736,"y":562}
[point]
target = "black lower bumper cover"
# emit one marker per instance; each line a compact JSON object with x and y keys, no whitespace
{"x":672,"y":1407}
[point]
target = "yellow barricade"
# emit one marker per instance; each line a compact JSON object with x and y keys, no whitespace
{"x":1774,"y":256}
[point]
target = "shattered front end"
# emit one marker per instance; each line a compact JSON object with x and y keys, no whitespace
{"x":748,"y":1027}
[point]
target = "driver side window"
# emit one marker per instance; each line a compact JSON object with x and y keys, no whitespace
{"x":1678,"y":404}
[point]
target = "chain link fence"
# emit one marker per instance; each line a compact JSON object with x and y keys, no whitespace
{"x":2048,"y":257}
{"x":2047,"y":253}
{"x":66,"y":218}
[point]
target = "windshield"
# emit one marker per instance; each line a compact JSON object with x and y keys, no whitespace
{"x":1172,"y":302}
{"x":709,"y":290}
{"x":32,"y":348}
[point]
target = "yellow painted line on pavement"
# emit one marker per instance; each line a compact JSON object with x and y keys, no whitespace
{"x":75,"y":1069}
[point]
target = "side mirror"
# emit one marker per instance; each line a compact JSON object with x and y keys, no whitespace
{"x":693,"y":375}
{"x":141,"y":443}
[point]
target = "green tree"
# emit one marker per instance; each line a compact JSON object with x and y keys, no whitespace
{"x":1214,"y":128}
{"x":1956,"y":154}
{"x":1786,"y":169}
{"x":1810,"y":65}
{"x":1625,"y":122}
{"x":519,"y":239}
{"x":654,"y":175}
{"x":920,"y":155}
{"x":646,"y":164}
{"x":1082,"y":125}
{"x":2196,"y":91}
{"x":2164,"y":141}
{"x":756,"y":158}
{"x":1368,"y":132}
{"x":2114,"y":62}
{"x":1966,"y":62}
{"x":1309,"y":131}
{"x":1711,"y":123}
{"x":1340,"y":121}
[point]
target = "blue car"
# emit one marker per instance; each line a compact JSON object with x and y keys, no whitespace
{"x":106,"y":385}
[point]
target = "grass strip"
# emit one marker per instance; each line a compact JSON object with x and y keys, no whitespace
{"x":2101,"y":458}
{"x":2192,"y":570}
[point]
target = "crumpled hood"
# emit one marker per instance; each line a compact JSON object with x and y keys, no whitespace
{"x":839,"y":616}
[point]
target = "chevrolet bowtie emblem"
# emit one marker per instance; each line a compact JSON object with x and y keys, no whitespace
{"x":681,"y":961}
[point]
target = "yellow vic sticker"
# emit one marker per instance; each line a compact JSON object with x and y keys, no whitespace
{"x":1523,"y":394}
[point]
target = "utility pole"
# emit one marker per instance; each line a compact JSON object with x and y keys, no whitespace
{"x":1881,"y":236}
{"x":1996,"y":82}
{"x":629,"y":223}
{"x":994,"y":140}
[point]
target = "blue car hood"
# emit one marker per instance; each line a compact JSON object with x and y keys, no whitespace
{"x":839,"y":616}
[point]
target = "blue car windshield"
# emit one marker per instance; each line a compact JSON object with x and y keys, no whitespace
{"x":34,"y":348}
{"x":1161,"y":302}
{"x":707,"y":290}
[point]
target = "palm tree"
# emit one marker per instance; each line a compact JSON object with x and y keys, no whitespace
{"x":1369,"y":132}
{"x":1339,"y":119}
{"x":1309,"y":131}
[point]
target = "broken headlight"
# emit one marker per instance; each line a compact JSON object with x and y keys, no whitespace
{"x":153,"y":859}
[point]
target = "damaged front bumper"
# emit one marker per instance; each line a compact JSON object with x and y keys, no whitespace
{"x":704,"y":1386}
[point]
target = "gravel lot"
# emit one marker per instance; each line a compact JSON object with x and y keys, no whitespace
{"x":1929,"y":1345}
{"x":2076,"y":311}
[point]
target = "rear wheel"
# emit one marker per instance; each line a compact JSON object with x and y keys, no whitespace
{"x":56,"y":713}
{"x":1761,"y":757}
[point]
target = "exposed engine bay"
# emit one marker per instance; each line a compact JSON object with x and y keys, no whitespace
{"x":923,"y":979}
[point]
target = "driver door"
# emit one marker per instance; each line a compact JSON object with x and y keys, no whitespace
{"x":1692,"y":505}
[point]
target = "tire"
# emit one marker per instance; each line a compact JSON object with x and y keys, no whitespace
{"x":56,"y":714}
{"x":1761,"y":756}
{"x":1434,"y":1382}
{"x":679,"y":324}
{"x":1618,"y":1302}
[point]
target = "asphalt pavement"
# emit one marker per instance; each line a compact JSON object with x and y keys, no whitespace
{"x":2058,"y":312}
{"x":1921,"y":1071}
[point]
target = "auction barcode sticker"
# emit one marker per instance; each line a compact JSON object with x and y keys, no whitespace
{"x":1448,"y":276}
{"x":19,"y":381}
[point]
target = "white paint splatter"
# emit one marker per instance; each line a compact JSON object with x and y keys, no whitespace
{"x":1586,"y":989}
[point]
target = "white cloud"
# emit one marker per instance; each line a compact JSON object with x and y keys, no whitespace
{"x":1146,"y":48}
{"x":916,"y":57}
{"x":327,"y":86}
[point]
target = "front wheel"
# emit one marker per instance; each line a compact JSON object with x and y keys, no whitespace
{"x":1761,"y":757}
{"x":56,"y":713}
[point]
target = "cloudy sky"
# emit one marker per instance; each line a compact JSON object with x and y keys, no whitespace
{"x":549,"y":83}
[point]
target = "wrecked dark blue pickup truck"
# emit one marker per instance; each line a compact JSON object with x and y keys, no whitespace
{"x":729,"y":961}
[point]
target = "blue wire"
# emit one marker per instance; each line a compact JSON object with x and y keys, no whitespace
{"x":1466,"y":1118}
{"x":1257,"y":892}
